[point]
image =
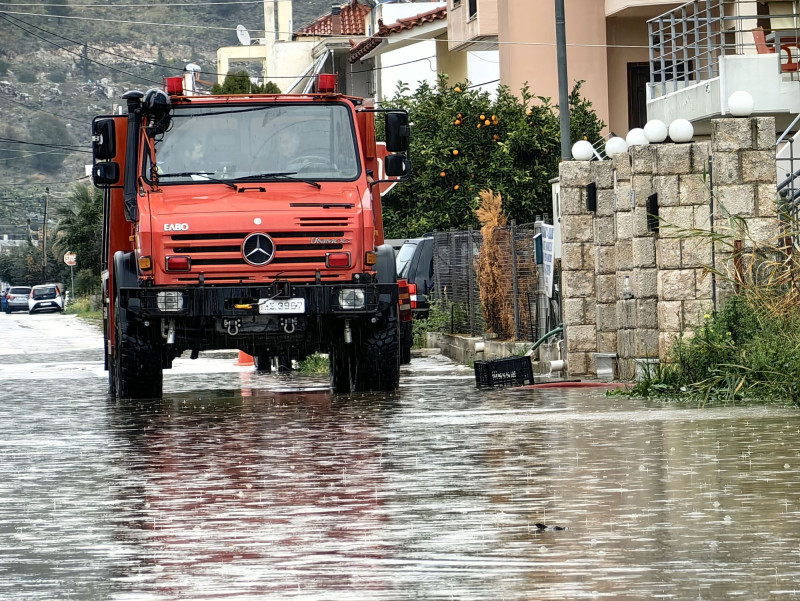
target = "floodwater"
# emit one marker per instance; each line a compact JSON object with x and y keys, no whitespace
{"x":247,"y":486}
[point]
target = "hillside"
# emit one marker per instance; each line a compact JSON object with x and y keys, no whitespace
{"x":63,"y":62}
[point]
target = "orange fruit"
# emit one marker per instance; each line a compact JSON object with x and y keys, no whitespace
{"x":457,"y":122}
{"x":483,"y":117}
{"x":456,"y":89}
{"x":456,"y":187}
{"x":496,"y":137}
{"x":487,"y":122}
{"x":442,"y":174}
{"x":455,"y":152}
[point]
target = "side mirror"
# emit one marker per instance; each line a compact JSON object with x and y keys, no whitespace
{"x":398,"y":131}
{"x":397,"y":165}
{"x":104,"y":141}
{"x":105,"y":174}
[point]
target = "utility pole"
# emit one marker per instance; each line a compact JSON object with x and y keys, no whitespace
{"x":563,"y":93}
{"x":44,"y":237}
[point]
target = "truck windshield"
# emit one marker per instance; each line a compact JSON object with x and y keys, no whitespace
{"x":312,"y":142}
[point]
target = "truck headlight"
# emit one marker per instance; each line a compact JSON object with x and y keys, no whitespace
{"x":169,"y":300}
{"x":351,"y":298}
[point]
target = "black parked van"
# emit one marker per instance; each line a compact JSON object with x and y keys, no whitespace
{"x":415,"y":264}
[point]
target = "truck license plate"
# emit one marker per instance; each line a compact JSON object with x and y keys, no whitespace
{"x":285,"y":305}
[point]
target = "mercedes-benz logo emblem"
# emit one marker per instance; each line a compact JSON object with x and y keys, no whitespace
{"x":258,"y":249}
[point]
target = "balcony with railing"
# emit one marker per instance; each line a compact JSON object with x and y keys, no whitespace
{"x":703,"y":51}
{"x":472,"y":25}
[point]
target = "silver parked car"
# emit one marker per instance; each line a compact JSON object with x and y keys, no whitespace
{"x":17,"y":299}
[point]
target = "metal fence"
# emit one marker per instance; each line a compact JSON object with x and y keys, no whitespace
{"x":519,"y":310}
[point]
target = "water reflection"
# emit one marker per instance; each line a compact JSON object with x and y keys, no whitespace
{"x":242,"y":485}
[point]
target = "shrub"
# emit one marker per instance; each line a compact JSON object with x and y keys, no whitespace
{"x":26,"y":76}
{"x":57,"y":77}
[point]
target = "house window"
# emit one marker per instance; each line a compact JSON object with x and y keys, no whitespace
{"x":456,"y":3}
{"x":473,"y":8}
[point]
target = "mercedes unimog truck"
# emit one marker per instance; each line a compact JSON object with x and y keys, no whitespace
{"x":249,"y":222}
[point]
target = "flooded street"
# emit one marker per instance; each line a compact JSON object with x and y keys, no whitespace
{"x":240,"y":485}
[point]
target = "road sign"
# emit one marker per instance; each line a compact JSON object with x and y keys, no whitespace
{"x":69,"y":258}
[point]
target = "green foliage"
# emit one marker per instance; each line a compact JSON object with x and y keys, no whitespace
{"x":315,"y":364}
{"x":741,"y":352}
{"x":239,"y":82}
{"x":464,"y":141}
{"x":3,"y":67}
{"x":22,"y":265}
{"x":57,"y":77}
{"x":438,"y":320}
{"x":47,"y":129}
{"x":79,"y":229}
{"x":59,"y":8}
{"x":25,"y":75}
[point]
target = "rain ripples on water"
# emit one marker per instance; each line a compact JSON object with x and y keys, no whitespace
{"x":239,"y":485}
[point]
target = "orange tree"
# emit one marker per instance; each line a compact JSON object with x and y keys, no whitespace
{"x":463,"y":141}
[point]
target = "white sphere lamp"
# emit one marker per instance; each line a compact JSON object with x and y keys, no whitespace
{"x":681,"y":130}
{"x":740,"y":104}
{"x":616,"y":145}
{"x":636,"y":137}
{"x":582,"y":151}
{"x":655,"y":131}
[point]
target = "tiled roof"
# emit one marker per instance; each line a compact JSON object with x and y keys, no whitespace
{"x":366,"y":46}
{"x":352,"y":16}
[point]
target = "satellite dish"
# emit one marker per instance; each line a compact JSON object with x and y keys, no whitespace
{"x":243,"y":35}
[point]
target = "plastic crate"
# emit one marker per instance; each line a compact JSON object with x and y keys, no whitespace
{"x":513,"y":371}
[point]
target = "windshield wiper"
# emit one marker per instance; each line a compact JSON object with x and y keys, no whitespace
{"x":285,"y":175}
{"x":204,"y":174}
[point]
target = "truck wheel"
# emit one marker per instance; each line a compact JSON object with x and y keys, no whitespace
{"x":284,"y":363}
{"x":406,"y":342}
{"x":380,"y":358}
{"x":263,"y":363}
{"x":137,"y":362}
{"x":344,"y":369}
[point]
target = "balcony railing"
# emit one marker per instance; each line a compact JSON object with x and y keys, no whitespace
{"x":686,"y":43}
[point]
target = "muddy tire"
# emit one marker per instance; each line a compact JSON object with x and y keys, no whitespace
{"x":284,"y":362}
{"x":138,"y":373}
{"x":380,"y":358}
{"x":344,"y":369}
{"x":406,"y":342}
{"x":263,"y":363}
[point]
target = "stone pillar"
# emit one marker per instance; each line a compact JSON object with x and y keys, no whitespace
{"x":744,"y":185}
{"x":625,"y":309}
{"x":577,"y":266}
{"x":605,"y":265}
{"x":644,"y":162}
{"x":684,"y":287}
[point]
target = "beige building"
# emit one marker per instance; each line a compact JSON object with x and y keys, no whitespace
{"x":606,"y":47}
{"x":645,"y":59}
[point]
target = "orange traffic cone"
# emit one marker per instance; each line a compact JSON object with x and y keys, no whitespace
{"x":244,"y":359}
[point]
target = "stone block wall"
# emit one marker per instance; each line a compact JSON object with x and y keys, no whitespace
{"x":665,"y":267}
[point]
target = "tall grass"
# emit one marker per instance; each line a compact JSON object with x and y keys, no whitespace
{"x":749,"y":349}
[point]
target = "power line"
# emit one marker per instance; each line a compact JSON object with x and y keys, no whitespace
{"x":31,"y":108}
{"x":72,"y":147}
{"x":143,"y":5}
{"x":342,"y":38}
{"x":5,"y":18}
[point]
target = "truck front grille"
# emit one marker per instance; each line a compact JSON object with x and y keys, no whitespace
{"x":294,"y":251}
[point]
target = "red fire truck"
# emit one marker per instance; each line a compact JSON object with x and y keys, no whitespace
{"x":248,"y":222}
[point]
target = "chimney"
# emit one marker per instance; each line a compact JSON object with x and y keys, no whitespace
{"x":336,"y":20}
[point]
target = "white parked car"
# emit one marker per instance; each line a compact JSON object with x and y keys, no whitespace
{"x":46,"y":297}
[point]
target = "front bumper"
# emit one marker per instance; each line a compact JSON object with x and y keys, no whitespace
{"x":237,"y":301}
